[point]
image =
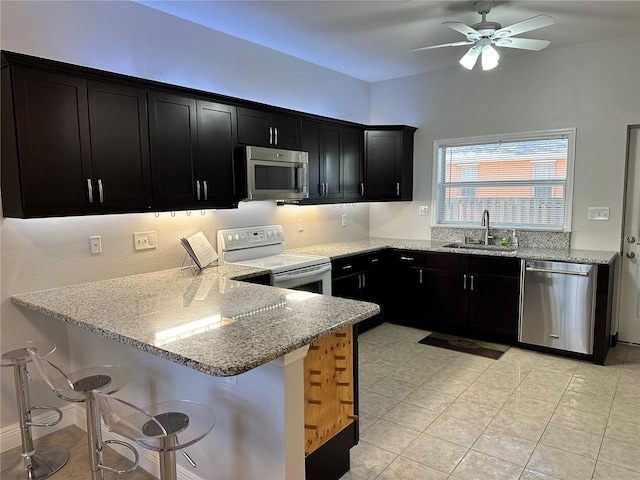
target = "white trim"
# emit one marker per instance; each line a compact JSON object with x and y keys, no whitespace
{"x":10,"y":435}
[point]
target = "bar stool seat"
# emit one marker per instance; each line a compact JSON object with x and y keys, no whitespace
{"x":33,"y":463}
{"x":79,"y":386}
{"x":162,"y":427}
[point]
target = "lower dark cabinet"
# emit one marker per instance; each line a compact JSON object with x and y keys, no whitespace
{"x":362,"y":277}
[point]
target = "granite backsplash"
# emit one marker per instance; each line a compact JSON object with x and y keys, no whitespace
{"x":526,"y":238}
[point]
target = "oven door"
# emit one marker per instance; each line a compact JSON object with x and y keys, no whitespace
{"x":316,"y":279}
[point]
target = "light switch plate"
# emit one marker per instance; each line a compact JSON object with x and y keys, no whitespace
{"x":144,"y":240}
{"x":598,"y":213}
{"x":423,"y":210}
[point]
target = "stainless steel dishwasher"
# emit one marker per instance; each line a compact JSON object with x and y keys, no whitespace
{"x":557,"y":305}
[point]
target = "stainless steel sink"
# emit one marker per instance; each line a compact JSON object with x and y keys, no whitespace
{"x":473,"y":246}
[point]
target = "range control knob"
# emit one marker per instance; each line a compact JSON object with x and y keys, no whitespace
{"x":230,"y":238}
{"x":631,"y":255}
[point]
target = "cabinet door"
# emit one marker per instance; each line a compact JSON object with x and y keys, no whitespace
{"x":448,"y":291}
{"x":254,"y":127}
{"x":265,"y":129}
{"x":287,"y":131}
{"x":52,"y":124}
{"x":215,"y":173}
{"x":494,"y":305}
{"x":347,"y":287}
{"x":312,"y":143}
{"x":352,"y":163}
{"x":332,"y":161}
{"x":119,"y":145}
{"x":173,"y":135}
{"x":383,"y":155}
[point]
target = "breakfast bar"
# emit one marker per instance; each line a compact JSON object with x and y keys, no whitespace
{"x":208,"y":336}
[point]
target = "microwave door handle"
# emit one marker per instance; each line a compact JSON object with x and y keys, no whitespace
{"x":293,"y":276}
{"x":302,"y":175}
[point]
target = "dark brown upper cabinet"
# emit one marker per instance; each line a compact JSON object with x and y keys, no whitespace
{"x":268,"y":129}
{"x":335,"y":161}
{"x":72,"y":146}
{"x":389,"y":163}
{"x":191,"y":152}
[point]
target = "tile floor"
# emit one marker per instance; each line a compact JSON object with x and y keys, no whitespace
{"x":429,"y":413}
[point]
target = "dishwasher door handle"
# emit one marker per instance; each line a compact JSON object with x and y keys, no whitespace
{"x":561,"y":272}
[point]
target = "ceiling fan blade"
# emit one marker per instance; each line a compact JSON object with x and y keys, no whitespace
{"x":455,"y":44}
{"x":532,"y":23}
{"x":471,"y":33}
{"x":470,"y":58}
{"x":523,"y":43}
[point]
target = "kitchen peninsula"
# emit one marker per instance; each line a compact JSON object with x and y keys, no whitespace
{"x":201,"y":325}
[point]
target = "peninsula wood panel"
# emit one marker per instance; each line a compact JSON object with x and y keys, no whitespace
{"x":328,"y":388}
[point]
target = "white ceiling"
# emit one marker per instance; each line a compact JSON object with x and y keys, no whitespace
{"x":372,"y":40}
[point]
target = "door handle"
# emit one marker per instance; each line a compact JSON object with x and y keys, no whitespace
{"x":471,"y":283}
{"x":270,"y":135}
{"x":198,"y":189}
{"x":464,"y":282}
{"x":421,"y":276}
{"x":398,"y":189}
{"x":362,"y":189}
{"x":631,"y":255}
{"x":100,"y":191}
{"x":206,"y":189}
{"x":275,"y":130}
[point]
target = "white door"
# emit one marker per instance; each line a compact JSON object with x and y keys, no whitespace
{"x":629,"y":308}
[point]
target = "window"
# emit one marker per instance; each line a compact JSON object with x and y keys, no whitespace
{"x":523,"y":180}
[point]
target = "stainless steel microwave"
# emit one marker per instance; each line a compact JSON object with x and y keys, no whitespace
{"x":276,"y":174}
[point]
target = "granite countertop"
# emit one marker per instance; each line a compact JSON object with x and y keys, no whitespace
{"x":173,"y":314}
{"x":338,"y":250}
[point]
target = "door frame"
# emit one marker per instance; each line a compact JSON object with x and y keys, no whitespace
{"x":618,"y":286}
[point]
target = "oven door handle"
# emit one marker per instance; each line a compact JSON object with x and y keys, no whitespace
{"x":307,"y":273}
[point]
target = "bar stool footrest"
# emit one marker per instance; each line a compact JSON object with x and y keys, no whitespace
{"x":48,"y":424}
{"x":126,"y":445}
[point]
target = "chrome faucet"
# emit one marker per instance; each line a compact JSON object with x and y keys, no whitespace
{"x":485,"y":224}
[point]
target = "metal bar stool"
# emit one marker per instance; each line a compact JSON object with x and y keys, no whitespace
{"x":79,"y":387}
{"x":32,"y":463}
{"x":156,"y":427}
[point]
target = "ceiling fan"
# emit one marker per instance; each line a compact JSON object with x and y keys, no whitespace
{"x":484,"y":35}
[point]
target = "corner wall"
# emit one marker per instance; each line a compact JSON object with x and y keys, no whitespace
{"x":592,"y":87}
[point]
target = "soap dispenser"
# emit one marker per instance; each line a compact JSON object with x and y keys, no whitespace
{"x":514,"y":238}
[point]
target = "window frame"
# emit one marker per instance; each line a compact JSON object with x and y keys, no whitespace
{"x":569,"y":133}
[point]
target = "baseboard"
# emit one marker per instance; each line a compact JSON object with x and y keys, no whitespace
{"x":10,"y":436}
{"x":75,"y":414}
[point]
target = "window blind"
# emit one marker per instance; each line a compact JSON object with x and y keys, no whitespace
{"x":522,"y":182}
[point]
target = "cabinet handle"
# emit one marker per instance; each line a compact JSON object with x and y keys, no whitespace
{"x":362,"y":189}
{"x":198,"y":189}
{"x":364,"y":280}
{"x":406,"y":259}
{"x":270,"y":135}
{"x":359,"y":282}
{"x":90,"y":190}
{"x":464,"y":282}
{"x":398,"y":189}
{"x":347,"y":267}
{"x":100,"y":191}
{"x":275,"y":129}
{"x":375,"y":260}
{"x":421,"y":276}
{"x":472,"y":283}
{"x":206,"y":190}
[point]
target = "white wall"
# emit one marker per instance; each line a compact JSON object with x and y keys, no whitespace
{"x":129,"y":38}
{"x":591,"y":87}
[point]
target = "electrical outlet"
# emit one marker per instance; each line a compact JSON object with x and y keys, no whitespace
{"x":95,"y":243}
{"x":144,"y":240}
{"x":423,"y":210}
{"x":300,"y":225}
{"x":344,"y":220}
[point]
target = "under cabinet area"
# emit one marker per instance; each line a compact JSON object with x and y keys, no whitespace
{"x":362,"y":277}
{"x":58,"y":153}
{"x":192,"y":152}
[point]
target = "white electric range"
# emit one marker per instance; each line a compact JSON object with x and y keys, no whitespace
{"x":263,"y":247}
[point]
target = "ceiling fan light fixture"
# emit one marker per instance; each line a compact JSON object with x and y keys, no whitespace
{"x":469,"y":59}
{"x":490,"y":58}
